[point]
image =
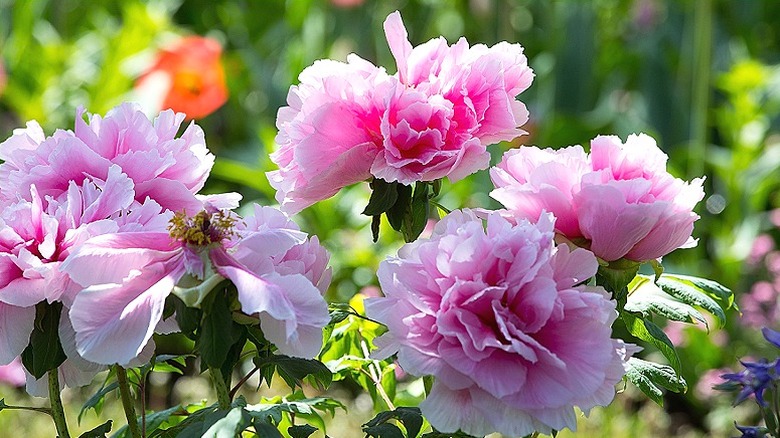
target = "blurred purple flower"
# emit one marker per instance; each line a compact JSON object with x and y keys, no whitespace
{"x":772,"y":336}
{"x":751,"y":431}
{"x":754,"y":379}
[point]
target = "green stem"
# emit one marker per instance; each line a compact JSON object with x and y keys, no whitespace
{"x":223,"y":396}
{"x":57,"y":412}
{"x":127,"y":401}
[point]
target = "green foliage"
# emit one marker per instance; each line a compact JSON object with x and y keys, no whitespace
{"x":294,"y":370}
{"x":99,"y":431}
{"x":346,"y":353}
{"x":651,"y":377}
{"x":44,"y":353}
{"x":677,"y":298}
{"x":410,"y":418}
{"x":97,"y":399}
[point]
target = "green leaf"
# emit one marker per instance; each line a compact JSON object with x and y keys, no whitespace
{"x":44,"y":353}
{"x":98,"y":432}
{"x":650,"y":377}
{"x":690,"y":294}
{"x":384,"y":430}
{"x":2,"y":404}
{"x":646,"y":330}
{"x":293,"y":370}
{"x":648,"y":299}
{"x":411,"y":418}
{"x":383,"y":197}
{"x":218,"y":332}
{"x":188,"y":318}
{"x":230,"y":425}
{"x":401,"y":208}
{"x":414,"y":223}
{"x":713,"y":289}
{"x":376,"y":221}
{"x":96,"y":401}
{"x":301,"y":431}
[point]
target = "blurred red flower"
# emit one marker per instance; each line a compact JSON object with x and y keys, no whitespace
{"x":186,"y":77}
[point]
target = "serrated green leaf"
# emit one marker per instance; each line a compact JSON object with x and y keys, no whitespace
{"x":98,"y":432}
{"x":293,"y":370}
{"x":713,"y":289}
{"x":44,"y":352}
{"x":383,"y":197}
{"x":96,"y":401}
{"x":648,"y":299}
{"x":650,"y":377}
{"x":646,"y":330}
{"x":690,"y":294}
{"x":301,"y":431}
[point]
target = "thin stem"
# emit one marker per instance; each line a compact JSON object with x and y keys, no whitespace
{"x":375,"y":374}
{"x":46,"y":411}
{"x":223,"y":396}
{"x":127,"y":401}
{"x":57,"y":412}
{"x":242,"y":381}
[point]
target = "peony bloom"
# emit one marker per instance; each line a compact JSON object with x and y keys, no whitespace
{"x":38,"y":235}
{"x":497,"y":318}
{"x":349,"y":122}
{"x":163,"y":167}
{"x":187,"y":77}
{"x":619,"y":201}
{"x":279,"y":275}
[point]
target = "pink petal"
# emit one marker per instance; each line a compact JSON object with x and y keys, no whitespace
{"x":16,"y":324}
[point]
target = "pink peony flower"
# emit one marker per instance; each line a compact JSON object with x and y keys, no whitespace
{"x":279,"y":274}
{"x":165,"y":168}
{"x":349,"y":122}
{"x":619,"y":200}
{"x":38,"y":235}
{"x":496,"y":317}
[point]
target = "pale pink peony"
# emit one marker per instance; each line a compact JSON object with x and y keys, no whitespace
{"x":279,"y":275}
{"x":619,"y":200}
{"x":38,"y":235}
{"x":495,"y":316}
{"x":163,"y":167}
{"x":349,"y":122}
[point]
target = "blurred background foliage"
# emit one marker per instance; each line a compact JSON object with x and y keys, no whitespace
{"x":701,"y":76}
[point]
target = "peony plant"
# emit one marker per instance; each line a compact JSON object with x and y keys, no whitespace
{"x":507,"y":318}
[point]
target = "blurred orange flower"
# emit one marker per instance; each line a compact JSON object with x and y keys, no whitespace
{"x":187,"y":77}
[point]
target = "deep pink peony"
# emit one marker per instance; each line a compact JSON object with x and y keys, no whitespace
{"x":619,"y":199}
{"x":349,"y":122}
{"x":163,"y":167}
{"x":495,"y":316}
{"x":279,"y":274}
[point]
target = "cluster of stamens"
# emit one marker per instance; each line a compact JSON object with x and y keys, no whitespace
{"x":202,"y":229}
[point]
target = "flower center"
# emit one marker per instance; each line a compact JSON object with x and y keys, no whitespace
{"x":202,"y":229}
